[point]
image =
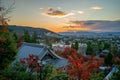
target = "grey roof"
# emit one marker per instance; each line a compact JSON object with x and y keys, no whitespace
{"x":105,"y":51}
{"x":114,"y":70}
{"x":40,"y":50}
{"x":57,"y":63}
{"x":28,"y":48}
{"x":61,"y":63}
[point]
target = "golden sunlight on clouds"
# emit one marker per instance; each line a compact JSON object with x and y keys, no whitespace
{"x":60,"y":29}
{"x":55,"y":13}
{"x":96,"y":8}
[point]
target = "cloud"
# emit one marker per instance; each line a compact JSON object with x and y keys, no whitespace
{"x":96,"y":8}
{"x":80,"y":12}
{"x":55,"y":13}
{"x":96,"y":25}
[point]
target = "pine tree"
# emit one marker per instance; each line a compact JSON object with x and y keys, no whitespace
{"x":108,"y":59}
{"x":34,"y":37}
{"x":8,"y":49}
{"x":76,"y":45}
{"x":26,"y":36}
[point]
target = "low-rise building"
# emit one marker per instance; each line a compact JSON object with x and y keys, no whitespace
{"x":43,"y":52}
{"x":59,"y":47}
{"x":82,"y":47}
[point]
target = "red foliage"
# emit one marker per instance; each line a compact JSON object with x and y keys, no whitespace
{"x":80,"y":67}
{"x":31,"y":62}
{"x":116,"y":60}
{"x":68,"y":52}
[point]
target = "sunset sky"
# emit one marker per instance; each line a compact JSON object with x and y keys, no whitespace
{"x":66,"y":15}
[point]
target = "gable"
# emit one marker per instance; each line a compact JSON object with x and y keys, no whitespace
{"x":49,"y":55}
{"x":39,"y":50}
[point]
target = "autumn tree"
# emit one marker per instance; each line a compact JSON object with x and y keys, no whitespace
{"x":80,"y":67}
{"x":47,"y":71}
{"x":8,"y":48}
{"x":4,"y":18}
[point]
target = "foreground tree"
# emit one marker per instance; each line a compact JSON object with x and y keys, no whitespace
{"x":108,"y":59}
{"x":97,"y":76}
{"x":8,"y":49}
{"x":17,"y":72}
{"x":116,"y":76}
{"x":46,"y":72}
{"x":81,"y":67}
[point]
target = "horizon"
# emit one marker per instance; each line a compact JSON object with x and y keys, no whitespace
{"x":72,"y":15}
{"x":64,"y":31}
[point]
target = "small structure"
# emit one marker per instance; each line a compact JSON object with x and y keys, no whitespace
{"x":59,"y":47}
{"x":82,"y":48}
{"x":43,"y":53}
{"x":114,"y":70}
{"x":104,"y":53}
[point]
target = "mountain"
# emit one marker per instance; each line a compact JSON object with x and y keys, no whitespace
{"x":89,"y":34}
{"x":30,"y":29}
{"x":19,"y":30}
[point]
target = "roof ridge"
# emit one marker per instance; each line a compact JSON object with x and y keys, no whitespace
{"x":33,"y":44}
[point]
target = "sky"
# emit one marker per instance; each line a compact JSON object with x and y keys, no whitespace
{"x":66,"y":15}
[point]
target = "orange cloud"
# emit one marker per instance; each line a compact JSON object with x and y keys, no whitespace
{"x":55,"y":13}
{"x":96,"y":8}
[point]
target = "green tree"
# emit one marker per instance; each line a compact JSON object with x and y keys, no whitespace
{"x":76,"y":45}
{"x":101,"y":46}
{"x":113,"y":48}
{"x":8,"y":49}
{"x":72,"y":46}
{"x":89,"y":49}
{"x":116,"y":76}
{"x":26,"y":36}
{"x":46,"y":72}
{"x":107,"y":45}
{"x":108,"y":59}
{"x":50,"y":73}
{"x":97,"y":76}
{"x":17,"y":72}
{"x":34,"y":37}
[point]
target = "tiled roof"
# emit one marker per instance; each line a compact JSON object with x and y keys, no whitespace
{"x":28,"y":48}
{"x":61,"y":63}
{"x":40,"y":50}
{"x":57,"y":63}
